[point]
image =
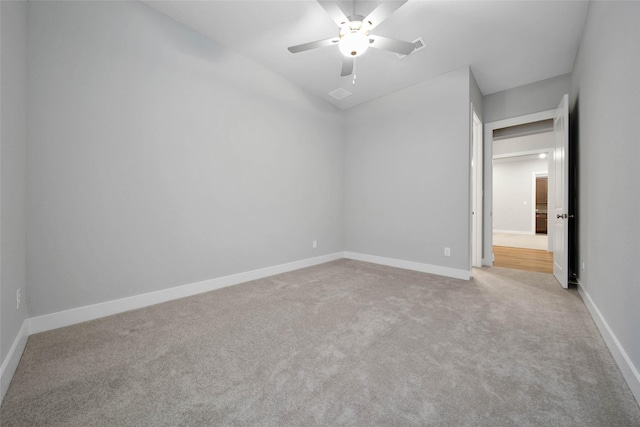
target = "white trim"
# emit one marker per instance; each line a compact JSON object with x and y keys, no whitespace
{"x":629,"y":371}
{"x":10,"y":363}
{"x":95,"y":311}
{"x":476,"y":240}
{"x":81,"y":314}
{"x":528,"y":233}
{"x":411,"y":265}
{"x":73,"y":316}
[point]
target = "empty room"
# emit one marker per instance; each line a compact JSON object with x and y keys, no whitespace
{"x":285,"y":212}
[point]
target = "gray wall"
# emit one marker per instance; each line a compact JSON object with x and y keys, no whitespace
{"x":157,"y":158}
{"x":407,"y":173}
{"x":527,"y":99}
{"x":513,"y":193}
{"x":12,"y":155}
{"x":607,"y":85}
{"x":476,"y":96}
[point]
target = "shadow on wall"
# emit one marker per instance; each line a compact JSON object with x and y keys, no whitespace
{"x":574,"y":202}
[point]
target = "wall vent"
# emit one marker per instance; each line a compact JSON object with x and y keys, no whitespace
{"x":340,"y":93}
{"x":419,"y":46}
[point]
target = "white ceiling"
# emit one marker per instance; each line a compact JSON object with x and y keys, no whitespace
{"x":506,"y":43}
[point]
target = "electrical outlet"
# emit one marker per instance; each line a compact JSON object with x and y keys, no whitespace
{"x":314,"y":244}
{"x":447,"y":251}
{"x":18,"y":299}
{"x":583,"y":266}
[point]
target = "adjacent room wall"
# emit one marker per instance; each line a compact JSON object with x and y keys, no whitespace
{"x":12,"y":192}
{"x":606,"y":95}
{"x":158,"y":158}
{"x":536,"y":142}
{"x":513,"y":194}
{"x":407,"y":174}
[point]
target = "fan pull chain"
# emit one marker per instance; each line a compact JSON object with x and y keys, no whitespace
{"x":355,"y":76}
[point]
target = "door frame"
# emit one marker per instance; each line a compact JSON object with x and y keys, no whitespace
{"x":476,"y":189}
{"x":487,"y":258}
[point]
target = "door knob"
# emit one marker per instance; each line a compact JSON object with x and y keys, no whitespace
{"x":561,"y":216}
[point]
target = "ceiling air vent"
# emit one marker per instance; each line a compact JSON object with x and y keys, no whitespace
{"x":340,"y":93}
{"x":419,"y":46}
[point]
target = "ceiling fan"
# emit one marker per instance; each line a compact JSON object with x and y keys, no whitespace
{"x":354,"y":34}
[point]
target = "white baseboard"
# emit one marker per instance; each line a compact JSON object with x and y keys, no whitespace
{"x":73,"y":316}
{"x":410,"y":265}
{"x":528,"y":233}
{"x":82,"y":314}
{"x":10,"y":363}
{"x":628,"y":369}
{"x":95,"y":311}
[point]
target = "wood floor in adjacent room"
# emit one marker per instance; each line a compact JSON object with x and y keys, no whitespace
{"x":523,"y":259}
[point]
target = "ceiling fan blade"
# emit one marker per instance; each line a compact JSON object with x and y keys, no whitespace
{"x":392,"y":45}
{"x":347,"y":66}
{"x":313,"y":45}
{"x":334,"y":12}
{"x":382,"y":12}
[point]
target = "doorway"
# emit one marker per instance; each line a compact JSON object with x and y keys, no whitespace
{"x":562,"y":216}
{"x":518,"y":151}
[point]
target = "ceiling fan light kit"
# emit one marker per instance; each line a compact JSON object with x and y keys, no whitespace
{"x":354,"y":43}
{"x":354,"y":38}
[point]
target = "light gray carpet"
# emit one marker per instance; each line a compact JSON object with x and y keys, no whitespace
{"x":344,"y":343}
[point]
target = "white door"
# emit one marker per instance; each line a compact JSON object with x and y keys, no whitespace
{"x":560,"y":214}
